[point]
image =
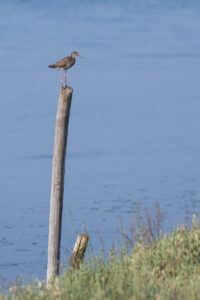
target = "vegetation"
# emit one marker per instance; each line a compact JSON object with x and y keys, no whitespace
{"x":155,"y":267}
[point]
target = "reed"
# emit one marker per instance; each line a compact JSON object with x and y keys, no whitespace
{"x":161,"y":268}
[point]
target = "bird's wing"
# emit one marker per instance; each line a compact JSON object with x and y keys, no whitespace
{"x":62,"y":62}
{"x":68,"y":60}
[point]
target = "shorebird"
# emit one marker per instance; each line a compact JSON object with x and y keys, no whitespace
{"x":64,"y":64}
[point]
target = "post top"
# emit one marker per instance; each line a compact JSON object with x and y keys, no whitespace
{"x":66,"y":90}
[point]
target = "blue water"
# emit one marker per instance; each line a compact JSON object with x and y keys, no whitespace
{"x":134,"y":136}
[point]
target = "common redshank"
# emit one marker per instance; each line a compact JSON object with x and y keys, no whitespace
{"x":64,"y":64}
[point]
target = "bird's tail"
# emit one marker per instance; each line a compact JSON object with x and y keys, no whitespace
{"x":51,"y":66}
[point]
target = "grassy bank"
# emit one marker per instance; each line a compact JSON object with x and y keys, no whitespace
{"x":159,"y":268}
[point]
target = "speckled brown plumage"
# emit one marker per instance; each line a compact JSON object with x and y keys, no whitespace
{"x":64,"y":64}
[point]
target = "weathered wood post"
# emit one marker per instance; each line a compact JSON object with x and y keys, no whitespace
{"x":57,"y":182}
{"x":79,"y":250}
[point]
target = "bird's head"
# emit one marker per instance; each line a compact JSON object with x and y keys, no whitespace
{"x":75,"y":54}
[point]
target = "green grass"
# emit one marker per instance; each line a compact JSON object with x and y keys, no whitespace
{"x":161,"y":268}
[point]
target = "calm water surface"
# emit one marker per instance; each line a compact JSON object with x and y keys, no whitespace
{"x":134,"y":136}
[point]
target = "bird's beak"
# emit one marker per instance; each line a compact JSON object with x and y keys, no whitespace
{"x":80,"y":56}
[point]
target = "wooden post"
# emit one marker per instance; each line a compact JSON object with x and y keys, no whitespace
{"x":57,"y":182}
{"x":79,"y":250}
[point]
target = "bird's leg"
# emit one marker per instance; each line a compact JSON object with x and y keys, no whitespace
{"x":66,"y":78}
{"x":61,"y":79}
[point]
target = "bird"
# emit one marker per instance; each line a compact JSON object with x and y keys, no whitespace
{"x":65,"y":64}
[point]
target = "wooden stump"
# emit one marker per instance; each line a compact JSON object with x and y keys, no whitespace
{"x":79,"y":250}
{"x":57,"y":183}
